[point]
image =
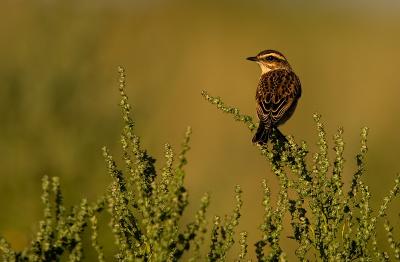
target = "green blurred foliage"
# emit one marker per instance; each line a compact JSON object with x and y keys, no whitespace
{"x":57,"y":91}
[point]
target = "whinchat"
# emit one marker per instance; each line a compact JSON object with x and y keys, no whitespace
{"x":277,"y":93}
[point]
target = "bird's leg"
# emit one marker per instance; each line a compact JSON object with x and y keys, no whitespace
{"x":279,"y":137}
{"x":278,"y":143}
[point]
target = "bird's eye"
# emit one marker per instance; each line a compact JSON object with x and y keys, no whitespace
{"x":270,"y":58}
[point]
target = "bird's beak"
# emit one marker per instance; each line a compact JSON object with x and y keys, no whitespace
{"x":252,"y":58}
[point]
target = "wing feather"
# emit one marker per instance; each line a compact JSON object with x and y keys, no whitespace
{"x":277,"y":94}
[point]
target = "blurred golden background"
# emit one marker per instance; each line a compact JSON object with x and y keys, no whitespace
{"x":58,"y":92}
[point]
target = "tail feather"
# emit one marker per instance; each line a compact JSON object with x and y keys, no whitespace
{"x":262,"y":135}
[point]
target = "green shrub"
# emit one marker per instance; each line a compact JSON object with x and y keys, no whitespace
{"x":327,"y":223}
{"x":146,"y":207}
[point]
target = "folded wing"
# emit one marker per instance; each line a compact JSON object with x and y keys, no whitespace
{"x":277,"y":96}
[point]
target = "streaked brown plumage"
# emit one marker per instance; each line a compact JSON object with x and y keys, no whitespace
{"x":277,"y":93}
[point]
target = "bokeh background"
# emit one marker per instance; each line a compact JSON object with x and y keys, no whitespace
{"x":58,"y":93}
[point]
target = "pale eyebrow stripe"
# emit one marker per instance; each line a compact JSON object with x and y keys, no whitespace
{"x":274,"y":55}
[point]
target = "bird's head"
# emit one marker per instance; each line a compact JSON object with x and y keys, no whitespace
{"x":270,"y":60}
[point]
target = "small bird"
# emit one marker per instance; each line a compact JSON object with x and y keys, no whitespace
{"x":277,"y":94}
